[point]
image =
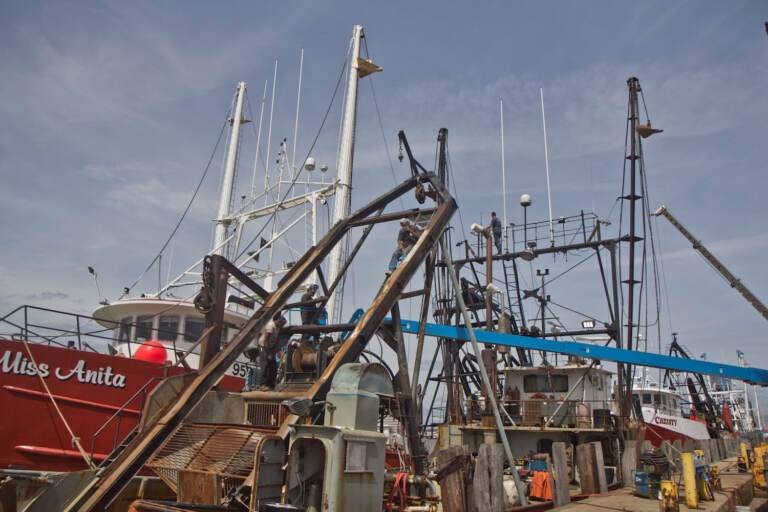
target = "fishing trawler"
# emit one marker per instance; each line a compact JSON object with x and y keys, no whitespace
{"x":82,"y":381}
{"x":314,"y":440}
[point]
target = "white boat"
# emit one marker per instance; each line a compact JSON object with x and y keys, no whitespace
{"x":662,"y":413}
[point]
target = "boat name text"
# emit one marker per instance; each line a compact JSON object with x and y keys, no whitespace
{"x":18,"y":364}
{"x":665,"y":421}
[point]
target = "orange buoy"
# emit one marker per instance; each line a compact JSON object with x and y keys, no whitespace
{"x":151,"y":351}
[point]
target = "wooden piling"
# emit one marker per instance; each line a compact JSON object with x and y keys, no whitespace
{"x":452,"y":467}
{"x":488,"y":484}
{"x":585,"y":461}
{"x":600,"y":467}
{"x":560,"y":492}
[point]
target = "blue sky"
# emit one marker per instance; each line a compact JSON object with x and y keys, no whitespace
{"x":110,"y":111}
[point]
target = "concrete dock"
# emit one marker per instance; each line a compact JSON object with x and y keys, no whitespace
{"x":736,"y":490}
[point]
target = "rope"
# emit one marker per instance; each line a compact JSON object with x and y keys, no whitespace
{"x":75,"y":439}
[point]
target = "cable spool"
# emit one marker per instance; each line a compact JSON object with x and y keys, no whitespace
{"x":304,"y":359}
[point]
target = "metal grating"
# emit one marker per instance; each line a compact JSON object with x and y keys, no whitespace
{"x":224,"y":450}
{"x":264,"y":413}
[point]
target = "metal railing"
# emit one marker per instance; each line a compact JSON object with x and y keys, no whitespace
{"x":71,"y":330}
{"x":53,"y":327}
{"x":142,"y":392}
{"x":551,"y":413}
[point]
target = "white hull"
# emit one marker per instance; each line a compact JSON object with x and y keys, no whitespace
{"x":676,"y":426}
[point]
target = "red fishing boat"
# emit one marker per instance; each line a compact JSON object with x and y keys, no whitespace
{"x":73,"y":387}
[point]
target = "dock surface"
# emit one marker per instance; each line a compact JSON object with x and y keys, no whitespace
{"x":736,"y":490}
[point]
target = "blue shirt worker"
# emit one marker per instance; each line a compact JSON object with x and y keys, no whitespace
{"x":406,"y":239}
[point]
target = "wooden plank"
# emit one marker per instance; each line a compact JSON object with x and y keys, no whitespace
{"x":488,"y":484}
{"x":560,"y":492}
{"x":585,"y":461}
{"x":480,"y":484}
{"x":496,"y":476}
{"x":602,"y":482}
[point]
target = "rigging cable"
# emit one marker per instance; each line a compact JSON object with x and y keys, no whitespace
{"x":186,"y":210}
{"x":309,"y":152}
{"x":381,"y":129}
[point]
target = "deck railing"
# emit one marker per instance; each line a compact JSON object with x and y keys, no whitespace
{"x":550,"y":413}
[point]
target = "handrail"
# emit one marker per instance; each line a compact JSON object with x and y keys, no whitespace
{"x":119,"y":414}
{"x":28,"y":328}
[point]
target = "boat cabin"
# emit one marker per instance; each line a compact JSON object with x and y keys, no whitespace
{"x":172,"y":325}
{"x":558,"y":396}
{"x":661,"y":400}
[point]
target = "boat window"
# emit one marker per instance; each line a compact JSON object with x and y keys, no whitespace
{"x":664,"y":400}
{"x":125,"y":329}
{"x":656,"y":399}
{"x":545,"y":384}
{"x":646,"y":398}
{"x":144,"y":328}
{"x":193,"y":328}
{"x":168,"y":328}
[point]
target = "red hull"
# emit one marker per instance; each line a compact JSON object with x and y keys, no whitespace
{"x":656,"y":434}
{"x":89,"y":388}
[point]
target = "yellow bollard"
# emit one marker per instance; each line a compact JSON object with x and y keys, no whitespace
{"x":744,"y":454}
{"x":758,"y":466}
{"x":689,"y":480}
{"x":669,"y":501}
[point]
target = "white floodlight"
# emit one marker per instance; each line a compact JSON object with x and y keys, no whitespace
{"x":477,"y":228}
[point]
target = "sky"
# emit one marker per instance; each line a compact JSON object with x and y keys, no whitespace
{"x":111,"y":111}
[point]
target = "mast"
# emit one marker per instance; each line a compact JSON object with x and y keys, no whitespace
{"x":222,"y":221}
{"x":625,"y":371}
{"x":341,"y":203}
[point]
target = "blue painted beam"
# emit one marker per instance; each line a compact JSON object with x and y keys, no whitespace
{"x":756,"y":376}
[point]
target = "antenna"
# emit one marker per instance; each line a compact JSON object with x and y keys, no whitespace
{"x":294,"y":171}
{"x":546,"y":164}
{"x":503,"y":168}
{"x":258,"y":142}
{"x":91,"y":271}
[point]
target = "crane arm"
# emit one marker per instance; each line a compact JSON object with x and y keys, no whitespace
{"x":734,"y":281}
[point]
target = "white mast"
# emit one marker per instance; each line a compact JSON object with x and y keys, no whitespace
{"x":341,"y":203}
{"x":546,"y":163}
{"x":222,"y":221}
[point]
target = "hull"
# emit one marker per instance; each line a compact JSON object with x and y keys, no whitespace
{"x":664,"y":427}
{"x":95,"y":393}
